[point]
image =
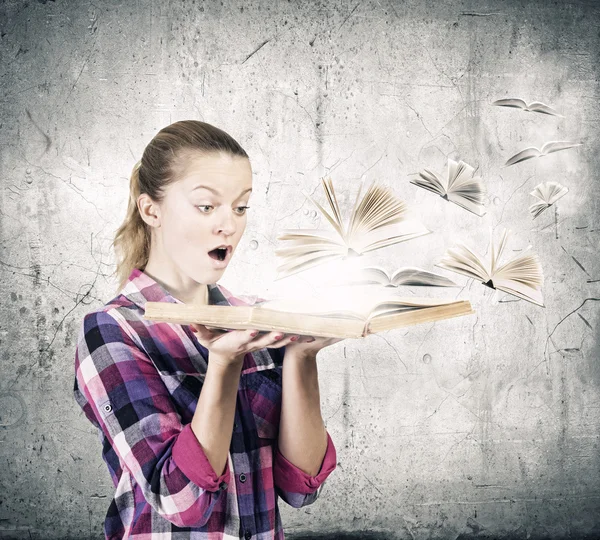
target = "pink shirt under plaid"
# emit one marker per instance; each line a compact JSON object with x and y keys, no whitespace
{"x":138,"y":382}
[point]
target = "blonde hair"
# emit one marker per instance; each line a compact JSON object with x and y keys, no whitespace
{"x":156,"y":170}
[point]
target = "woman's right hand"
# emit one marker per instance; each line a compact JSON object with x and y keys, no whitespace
{"x":229,"y":347}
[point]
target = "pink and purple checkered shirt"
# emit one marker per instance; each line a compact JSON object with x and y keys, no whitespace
{"x":138,"y":382}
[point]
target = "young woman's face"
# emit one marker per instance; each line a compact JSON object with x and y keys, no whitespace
{"x":204,"y":209}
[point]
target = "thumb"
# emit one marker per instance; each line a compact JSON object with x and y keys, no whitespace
{"x":201,"y":331}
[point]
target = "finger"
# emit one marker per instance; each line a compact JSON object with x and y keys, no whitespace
{"x":294,"y":338}
{"x":201,"y":331}
{"x":207,"y":333}
{"x":300,"y":338}
{"x":276,"y":345}
{"x":250,"y":335}
{"x":266,"y":338}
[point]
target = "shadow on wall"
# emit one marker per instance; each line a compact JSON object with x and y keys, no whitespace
{"x":342,"y":536}
{"x":519,"y":534}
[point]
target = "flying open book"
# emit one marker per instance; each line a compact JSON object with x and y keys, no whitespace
{"x":534,"y":106}
{"x":405,"y":276}
{"x":460,"y":186}
{"x":547,"y":148}
{"x":378,"y":219}
{"x":343,"y":316}
{"x":521,"y":276}
{"x":547,"y":194}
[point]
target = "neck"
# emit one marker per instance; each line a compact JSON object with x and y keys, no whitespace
{"x":186,"y":291}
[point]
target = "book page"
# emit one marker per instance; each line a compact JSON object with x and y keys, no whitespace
{"x":325,"y":306}
{"x":354,"y":219}
{"x":379,"y":208}
{"x":331,"y":199}
{"x":464,"y":261}
{"x":252,"y":317}
{"x":458,"y":174}
{"x":468,"y":202}
{"x":556,"y":192}
{"x":520,"y":290}
{"x":408,"y":276}
{"x":524,"y":268}
{"x":404,"y":305}
{"x":300,"y":235}
{"x":418,"y":276}
{"x":391,"y":234}
{"x":429,"y":187}
{"x":537,"y":208}
{"x":542,"y":191}
{"x":353,"y":302}
{"x":495,"y":256}
{"x":305,"y":262}
{"x":364,"y":208}
{"x":336,"y":225}
{"x":528,"y":153}
{"x":543,"y":108}
{"x":389,"y":321}
{"x":555,"y":146}
{"x":307,"y":245}
{"x":431,"y":181}
{"x":371,"y":274}
{"x":511,"y":102}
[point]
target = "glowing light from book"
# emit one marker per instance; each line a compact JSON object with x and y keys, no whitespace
{"x":322,"y":279}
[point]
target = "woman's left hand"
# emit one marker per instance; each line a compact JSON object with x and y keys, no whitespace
{"x":307,"y":346}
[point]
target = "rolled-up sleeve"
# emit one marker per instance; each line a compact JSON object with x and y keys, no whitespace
{"x":135,"y":411}
{"x":295,"y":486}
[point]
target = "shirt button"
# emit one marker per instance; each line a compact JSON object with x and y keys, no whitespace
{"x":243,"y":479}
{"x":223,"y":485}
{"x":247,"y":535}
{"x":107,"y":407}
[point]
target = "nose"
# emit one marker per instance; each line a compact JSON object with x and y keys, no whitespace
{"x":226,"y":223}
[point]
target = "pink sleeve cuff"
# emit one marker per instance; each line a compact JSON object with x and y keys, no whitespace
{"x":290,"y":478}
{"x":192,"y":461}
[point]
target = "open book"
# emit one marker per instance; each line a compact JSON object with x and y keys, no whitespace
{"x":547,"y":194}
{"x":532,"y":152}
{"x":521,"y":276}
{"x":407,"y":276}
{"x":378,"y":219}
{"x":352,"y":316}
{"x":460,"y":186}
{"x":534,"y":106}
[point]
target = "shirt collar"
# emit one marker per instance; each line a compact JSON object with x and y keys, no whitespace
{"x":141,"y":288}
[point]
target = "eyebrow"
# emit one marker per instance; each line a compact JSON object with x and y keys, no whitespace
{"x":216,"y":191}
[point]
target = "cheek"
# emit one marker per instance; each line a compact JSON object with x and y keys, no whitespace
{"x":186,"y":230}
{"x":194,"y":231}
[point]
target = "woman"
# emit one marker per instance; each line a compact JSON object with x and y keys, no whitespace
{"x":202,"y":430}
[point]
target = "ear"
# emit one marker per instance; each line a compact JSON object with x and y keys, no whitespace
{"x":149,"y":210}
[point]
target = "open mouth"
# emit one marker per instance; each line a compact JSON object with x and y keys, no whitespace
{"x":219,"y":254}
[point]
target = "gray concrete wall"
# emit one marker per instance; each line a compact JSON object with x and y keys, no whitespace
{"x":480,"y":426}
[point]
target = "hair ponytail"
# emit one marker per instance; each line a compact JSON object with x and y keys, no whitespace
{"x":132,"y":238}
{"x":152,"y":174}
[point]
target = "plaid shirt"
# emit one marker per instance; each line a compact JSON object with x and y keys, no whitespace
{"x":138,"y":382}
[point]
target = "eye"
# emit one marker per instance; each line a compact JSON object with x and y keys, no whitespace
{"x":204,"y":206}
{"x":243,"y":209}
